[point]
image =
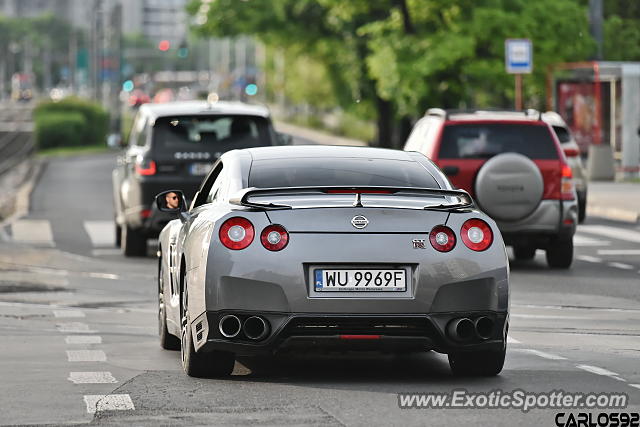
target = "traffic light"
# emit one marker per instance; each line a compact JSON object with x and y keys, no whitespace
{"x":183,"y":50}
{"x":164,"y":45}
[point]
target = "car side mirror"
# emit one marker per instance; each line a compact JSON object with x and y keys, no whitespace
{"x":284,"y":138}
{"x":171,"y":201}
{"x":115,"y":141}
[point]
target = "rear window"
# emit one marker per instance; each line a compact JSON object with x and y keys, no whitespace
{"x":321,"y":172}
{"x":219,"y":133}
{"x":473,"y":141}
{"x":562,"y":133}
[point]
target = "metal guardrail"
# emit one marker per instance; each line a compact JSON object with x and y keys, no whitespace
{"x":15,"y":147}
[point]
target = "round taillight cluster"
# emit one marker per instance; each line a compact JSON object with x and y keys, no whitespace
{"x":476,"y":234}
{"x":442,"y":238}
{"x":236,"y":233}
{"x":274,"y":237}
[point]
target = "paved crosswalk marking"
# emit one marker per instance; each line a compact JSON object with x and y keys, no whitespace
{"x":542,"y":354}
{"x":83,"y":339}
{"x":612,"y":232}
{"x":618,"y":251}
{"x":580,"y":240}
{"x":73,"y":327}
{"x":596,"y":370}
{"x":86,"y":356}
{"x":68,"y":313}
{"x":91,"y":378}
{"x":620,"y":265}
{"x":101,"y":233}
{"x":588,"y":258}
{"x":109,"y":402}
{"x":32,"y":231}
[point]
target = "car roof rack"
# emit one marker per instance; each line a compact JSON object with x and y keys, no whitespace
{"x":446,"y":114}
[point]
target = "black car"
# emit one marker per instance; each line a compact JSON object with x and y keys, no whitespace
{"x":174,"y":145}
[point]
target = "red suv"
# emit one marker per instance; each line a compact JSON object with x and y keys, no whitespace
{"x":513,"y":165}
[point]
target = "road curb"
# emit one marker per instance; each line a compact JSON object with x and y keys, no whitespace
{"x":23,"y":194}
{"x":614,"y":214}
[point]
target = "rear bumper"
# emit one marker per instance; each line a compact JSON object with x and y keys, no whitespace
{"x":300,"y":332}
{"x":551,"y":220}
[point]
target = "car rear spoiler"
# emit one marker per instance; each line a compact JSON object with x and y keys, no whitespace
{"x":464,"y":200}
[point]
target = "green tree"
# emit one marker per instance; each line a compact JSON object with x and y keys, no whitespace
{"x":400,"y":56}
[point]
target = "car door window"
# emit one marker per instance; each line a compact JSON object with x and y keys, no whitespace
{"x":218,"y":190}
{"x":202,"y":196}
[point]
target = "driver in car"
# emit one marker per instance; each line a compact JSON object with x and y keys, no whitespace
{"x":172,"y":201}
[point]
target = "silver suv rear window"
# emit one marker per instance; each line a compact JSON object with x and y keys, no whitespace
{"x":485,"y":140}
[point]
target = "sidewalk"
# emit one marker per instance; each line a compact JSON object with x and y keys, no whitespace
{"x":617,"y":201}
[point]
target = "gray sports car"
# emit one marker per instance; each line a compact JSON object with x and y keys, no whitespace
{"x":330,"y":248}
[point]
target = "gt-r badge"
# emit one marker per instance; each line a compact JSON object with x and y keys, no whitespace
{"x":359,"y":221}
{"x":418,"y":244}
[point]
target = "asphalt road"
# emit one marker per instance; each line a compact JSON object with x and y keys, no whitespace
{"x":79,"y":338}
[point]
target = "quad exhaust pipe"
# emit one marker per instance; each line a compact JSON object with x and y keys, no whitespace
{"x":465,"y":329}
{"x":230,"y":326}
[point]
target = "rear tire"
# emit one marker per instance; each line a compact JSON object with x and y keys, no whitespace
{"x":118,"y":236}
{"x":524,"y":253}
{"x":477,"y":363}
{"x":560,"y":254}
{"x":133,"y":242}
{"x":582,"y":208}
{"x":202,"y":365}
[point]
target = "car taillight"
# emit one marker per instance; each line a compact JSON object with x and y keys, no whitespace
{"x":442,"y":238}
{"x":274,"y":237}
{"x":476,"y":234}
{"x":566,"y":184}
{"x":146,"y":167}
{"x":236,"y":233}
{"x":571,"y":152}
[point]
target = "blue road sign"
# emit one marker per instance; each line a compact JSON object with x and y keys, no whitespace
{"x":518,"y":56}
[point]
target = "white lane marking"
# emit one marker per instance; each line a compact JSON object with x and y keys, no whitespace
{"x":109,"y":402}
{"x":73,"y":327}
{"x":620,"y":265}
{"x":635,"y":386}
{"x":103,"y":276}
{"x":86,"y":356}
{"x":615,"y":232}
{"x":512,"y":340}
{"x":618,"y":251}
{"x":542,"y":354}
{"x":588,"y":258}
{"x":579,"y":240}
{"x":101,"y":233}
{"x":33,"y":231}
{"x":103,"y":252}
{"x":68,"y":313}
{"x":91,"y":378}
{"x":600,"y":371}
{"x":545,"y":316}
{"x":83,"y":339}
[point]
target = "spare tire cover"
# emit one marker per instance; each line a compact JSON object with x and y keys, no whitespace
{"x":509,"y":187}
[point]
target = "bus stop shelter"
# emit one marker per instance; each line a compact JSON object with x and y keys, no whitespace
{"x":600,"y":101}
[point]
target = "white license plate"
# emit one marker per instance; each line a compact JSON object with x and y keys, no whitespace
{"x":200,"y":168}
{"x":356,"y":280}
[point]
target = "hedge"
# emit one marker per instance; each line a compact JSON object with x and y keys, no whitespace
{"x":60,"y":130}
{"x":96,"y":119}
